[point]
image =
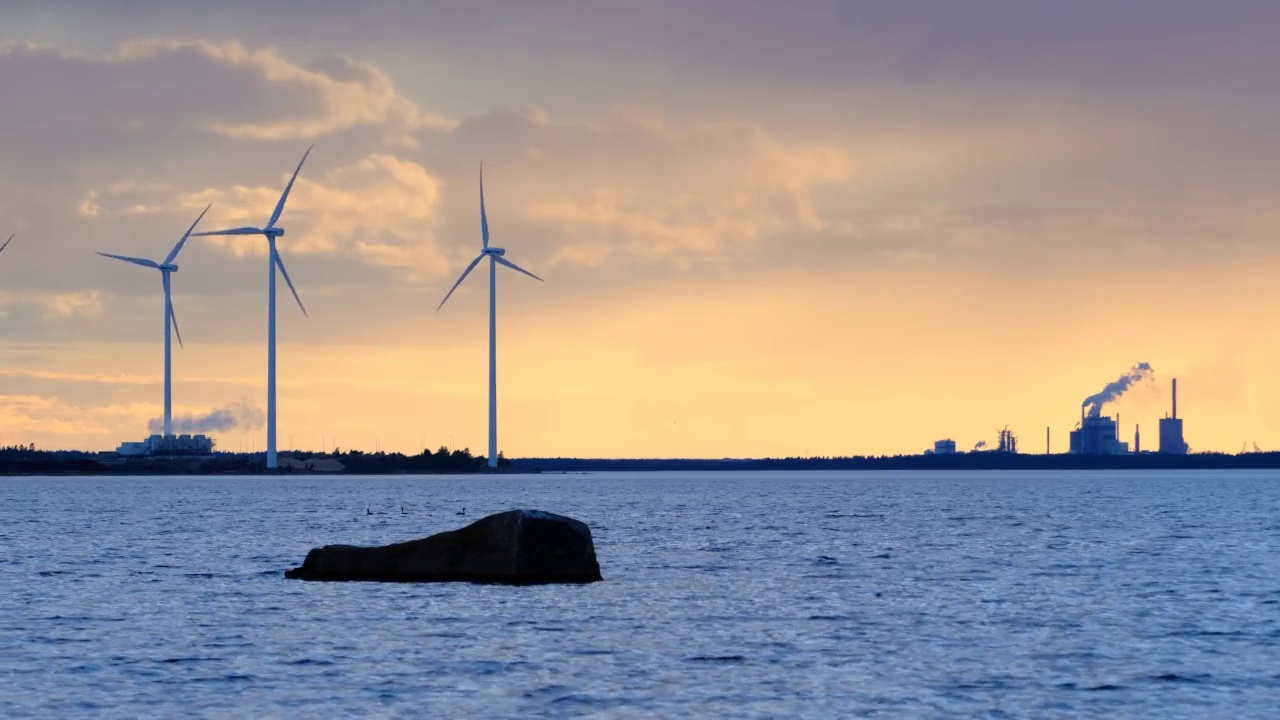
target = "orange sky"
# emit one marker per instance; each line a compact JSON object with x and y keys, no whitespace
{"x":800,"y":363}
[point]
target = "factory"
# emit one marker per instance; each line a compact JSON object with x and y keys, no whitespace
{"x":947,"y":446}
{"x":1099,"y":434}
{"x":167,"y":446}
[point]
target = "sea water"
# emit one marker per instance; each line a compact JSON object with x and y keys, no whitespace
{"x":810,"y":594}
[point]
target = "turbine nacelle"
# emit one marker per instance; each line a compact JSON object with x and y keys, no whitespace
{"x":493,"y":251}
{"x":273,"y":232}
{"x":169,"y":268}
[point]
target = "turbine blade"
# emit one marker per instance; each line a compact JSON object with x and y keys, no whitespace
{"x":173,"y":254}
{"x":285,"y":195}
{"x":173,"y":317}
{"x":6,"y":242}
{"x":136,"y":261}
{"x":232,"y":231}
{"x":285,"y":273}
{"x":484,"y":219}
{"x":462,"y":277}
{"x":503,"y":261}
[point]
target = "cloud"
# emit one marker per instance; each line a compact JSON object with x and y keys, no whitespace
{"x":44,"y":419}
{"x":53,"y":305}
{"x":87,"y":303}
{"x":631,"y":186}
{"x":150,"y":131}
{"x":289,"y":101}
{"x":94,"y":378}
{"x":702,"y":192}
{"x":147,"y":99}
{"x":120,"y":378}
{"x":381,"y":209}
{"x":341,"y":92}
{"x":392,"y":185}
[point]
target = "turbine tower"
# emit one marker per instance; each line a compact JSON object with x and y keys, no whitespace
{"x":166,"y":268}
{"x":496,"y":258}
{"x":271,"y":232}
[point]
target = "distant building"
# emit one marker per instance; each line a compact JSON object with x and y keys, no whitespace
{"x":1171,"y":442}
{"x":1008,"y":442}
{"x":167,"y":446}
{"x":944,"y":447}
{"x":1097,"y":436}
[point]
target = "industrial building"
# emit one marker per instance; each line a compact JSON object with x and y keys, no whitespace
{"x":167,"y":446}
{"x":1171,"y":442}
{"x":1008,"y":442}
{"x":944,"y":447}
{"x":1097,"y":436}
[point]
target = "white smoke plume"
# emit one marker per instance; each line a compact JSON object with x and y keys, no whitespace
{"x":239,"y":415}
{"x":1093,"y":404}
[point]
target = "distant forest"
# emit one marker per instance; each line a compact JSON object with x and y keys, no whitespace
{"x":26,"y":460}
{"x":443,"y":460}
{"x":959,"y":461}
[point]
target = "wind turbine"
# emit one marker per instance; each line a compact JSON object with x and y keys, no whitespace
{"x":271,"y":231}
{"x":166,"y":268}
{"x":496,"y":258}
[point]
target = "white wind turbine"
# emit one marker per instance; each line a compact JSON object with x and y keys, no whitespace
{"x":166,"y":268}
{"x":271,"y":231}
{"x":496,"y":258}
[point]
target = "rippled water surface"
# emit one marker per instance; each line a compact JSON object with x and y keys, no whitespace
{"x":756,"y":594}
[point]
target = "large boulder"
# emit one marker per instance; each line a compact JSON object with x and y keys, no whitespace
{"x":519,"y":547}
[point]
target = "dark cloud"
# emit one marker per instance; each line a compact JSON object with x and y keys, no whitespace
{"x":962,"y":132}
{"x":1127,"y":43}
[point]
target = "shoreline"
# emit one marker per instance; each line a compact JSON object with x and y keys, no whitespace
{"x":50,"y":464}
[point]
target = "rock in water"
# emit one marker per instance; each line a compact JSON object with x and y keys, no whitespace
{"x":519,"y":547}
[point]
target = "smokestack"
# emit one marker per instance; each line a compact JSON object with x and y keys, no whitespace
{"x":1175,"y":398}
{"x":1047,"y":447}
{"x":1137,"y":440}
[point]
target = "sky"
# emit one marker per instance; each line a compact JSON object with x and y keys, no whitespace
{"x":818,"y":228}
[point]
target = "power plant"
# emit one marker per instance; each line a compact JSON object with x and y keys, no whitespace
{"x":1099,"y":434}
{"x":167,"y":446}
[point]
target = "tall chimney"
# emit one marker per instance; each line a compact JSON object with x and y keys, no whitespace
{"x":1047,"y":450}
{"x":1137,"y":440}
{"x":1175,"y":398}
